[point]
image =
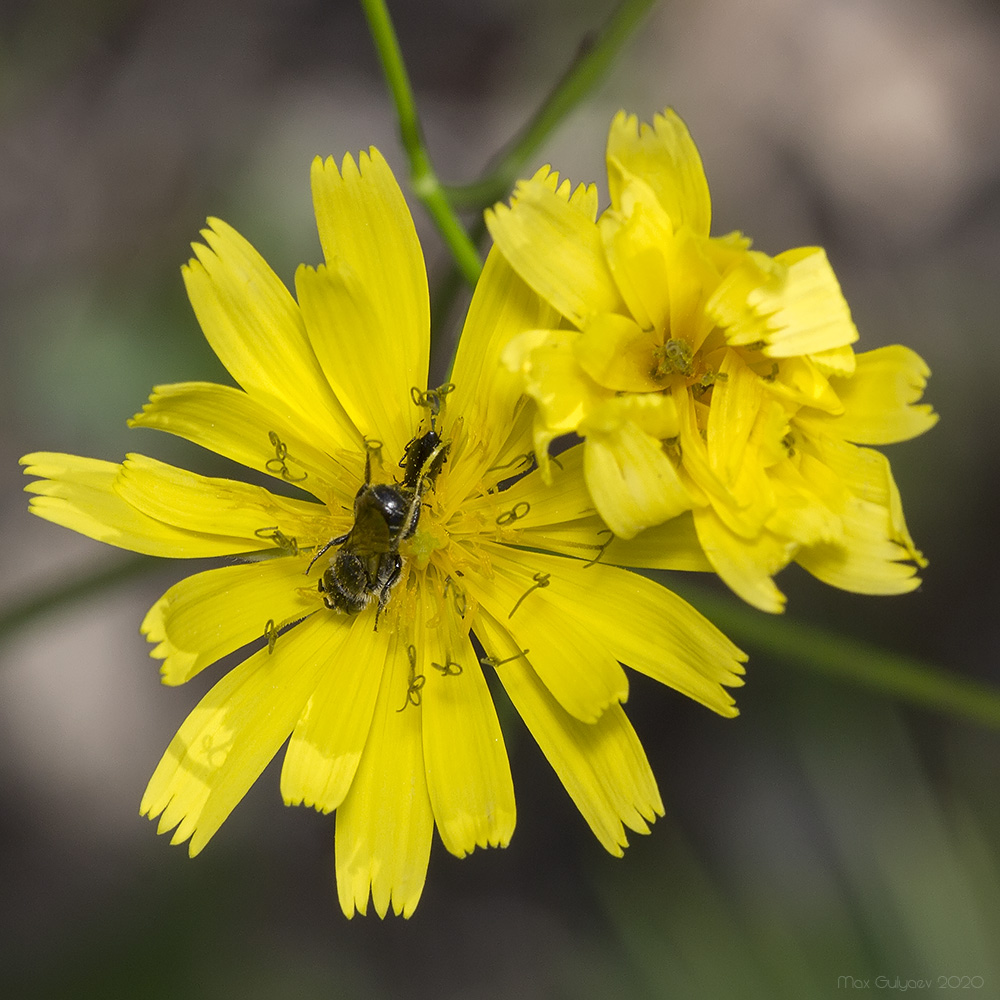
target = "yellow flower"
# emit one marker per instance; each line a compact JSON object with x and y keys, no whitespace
{"x":715,"y":386}
{"x":389,"y":540}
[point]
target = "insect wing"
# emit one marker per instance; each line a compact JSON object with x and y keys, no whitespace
{"x":370,"y":535}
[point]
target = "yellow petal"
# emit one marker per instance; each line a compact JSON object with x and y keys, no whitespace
{"x":364,"y":222}
{"x":666,"y":158}
{"x":232,"y":734}
{"x":800,"y":382}
{"x":790,"y":305}
{"x":618,"y":354}
{"x":211,"y":614}
{"x":486,"y":391}
{"x":330,"y":735}
{"x":736,"y":402}
{"x":638,"y":241}
{"x":385,"y":824}
{"x":468,"y":775}
{"x":602,"y":765}
{"x":80,"y":494}
{"x":745,"y":565}
{"x":554,"y":244}
{"x":581,"y":673}
{"x":877,"y":555}
{"x":643,"y":625}
{"x":803,"y":512}
{"x":362,"y":359}
{"x":744,"y":439}
{"x":234,"y":424}
{"x":671,"y":545}
{"x":879,"y":399}
{"x":553,"y":377}
{"x":203,"y":504}
{"x":837,"y":361}
{"x":696,"y":270}
{"x":254,"y":326}
{"x":633,"y":483}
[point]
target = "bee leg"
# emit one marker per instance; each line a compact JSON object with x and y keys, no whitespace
{"x":339,"y":540}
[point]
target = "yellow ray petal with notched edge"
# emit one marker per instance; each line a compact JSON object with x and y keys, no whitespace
{"x":361,"y":358}
{"x":329,"y":737}
{"x":880,"y":399}
{"x":203,"y":504}
{"x":665,"y":157}
{"x":385,"y":824}
{"x":232,"y":734}
{"x":800,"y":382}
{"x":254,"y":326}
{"x":468,"y":775}
{"x":234,"y":424}
{"x":209,"y":615}
{"x":791,"y":304}
{"x":364,"y":223}
{"x":79,"y":494}
{"x":601,"y":764}
{"x":572,"y":273}
{"x":551,"y":374}
{"x":877,"y":554}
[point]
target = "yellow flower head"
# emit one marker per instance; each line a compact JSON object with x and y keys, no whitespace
{"x":715,"y":386}
{"x":389,"y":541}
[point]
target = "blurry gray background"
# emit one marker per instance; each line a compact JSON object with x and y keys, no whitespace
{"x":824,"y":834}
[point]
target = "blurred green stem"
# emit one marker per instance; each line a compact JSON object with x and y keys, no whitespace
{"x":850,"y":660}
{"x":424,"y":181}
{"x":595,"y":57}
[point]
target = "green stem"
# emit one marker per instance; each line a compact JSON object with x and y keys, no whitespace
{"x":423,"y":179}
{"x":595,"y":58}
{"x":848,"y":659}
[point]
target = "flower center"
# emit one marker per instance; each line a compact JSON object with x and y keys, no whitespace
{"x":673,"y":357}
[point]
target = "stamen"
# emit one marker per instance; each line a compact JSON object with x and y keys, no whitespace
{"x":458,"y":598}
{"x":600,"y":551}
{"x":527,"y":460}
{"x":519,"y":510}
{"x":489,"y":661}
{"x":290,"y":546}
{"x":448,"y":669}
{"x":541,"y":580}
{"x":432,"y":399}
{"x":416,"y":682}
{"x":271,"y":634}
{"x":278,"y":465}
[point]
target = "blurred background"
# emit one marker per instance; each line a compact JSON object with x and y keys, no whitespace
{"x":828,"y":836}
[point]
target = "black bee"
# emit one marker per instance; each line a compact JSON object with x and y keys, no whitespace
{"x":368,"y":564}
{"x":422,"y":451}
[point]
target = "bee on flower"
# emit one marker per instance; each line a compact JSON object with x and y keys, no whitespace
{"x":724,"y":411}
{"x":406,"y":554}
